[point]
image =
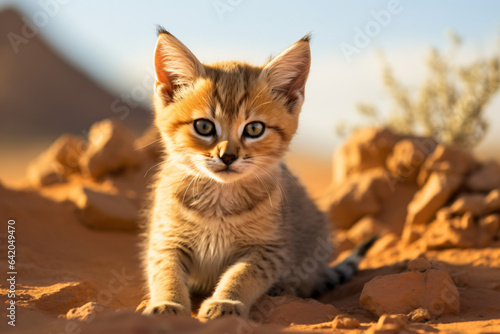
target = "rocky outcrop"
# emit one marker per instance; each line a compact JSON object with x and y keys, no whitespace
{"x":56,"y":163}
{"x":105,"y":176}
{"x":111,"y":149}
{"x":414,"y":187}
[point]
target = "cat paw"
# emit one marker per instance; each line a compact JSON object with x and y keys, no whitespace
{"x":213,"y":309}
{"x":170,"y":308}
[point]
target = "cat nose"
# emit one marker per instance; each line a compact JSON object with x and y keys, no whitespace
{"x":228,"y":158}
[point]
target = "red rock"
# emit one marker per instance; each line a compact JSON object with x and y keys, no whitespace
{"x":394,"y":206}
{"x":419,"y":315}
{"x":434,"y":194}
{"x":356,"y":198}
{"x":365,"y":228}
{"x":57,"y":162}
{"x":341,"y":241}
{"x":473,"y":203}
{"x":444,"y":213}
{"x":461,"y":278}
{"x":87,"y":312}
{"x":465,"y":223}
{"x":419,"y":264}
{"x":402,"y":293}
{"x":390,"y":324}
{"x":111,"y":149}
{"x":458,"y":232}
{"x":486,"y":178}
{"x":365,"y":149}
{"x":345,"y":322}
{"x":407,"y":157}
{"x":384,"y":242}
{"x":488,"y":229}
{"x":492,"y":201}
{"x":490,"y":224}
{"x":341,"y":321}
{"x":105,"y":211}
{"x":412,"y":233}
{"x":447,"y":159}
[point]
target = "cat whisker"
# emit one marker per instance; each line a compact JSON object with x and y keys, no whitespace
{"x":273,"y":178}
{"x":171,"y":178}
{"x":179,"y":184}
{"x":153,"y":142}
{"x":161,"y":162}
{"x":185,"y":192}
{"x":275,"y":181}
{"x":267,"y":190}
{"x":198,"y":188}
{"x":283,"y":170}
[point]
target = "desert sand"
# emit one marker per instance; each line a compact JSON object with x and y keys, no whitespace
{"x":76,"y":213}
{"x":436,"y":266}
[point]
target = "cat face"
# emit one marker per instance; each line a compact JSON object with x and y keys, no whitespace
{"x":230,"y":120}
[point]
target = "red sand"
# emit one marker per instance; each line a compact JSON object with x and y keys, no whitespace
{"x":61,"y":265}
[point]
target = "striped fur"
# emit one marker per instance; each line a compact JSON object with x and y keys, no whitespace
{"x":233,"y":234}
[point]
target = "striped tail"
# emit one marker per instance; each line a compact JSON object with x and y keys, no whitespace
{"x":343,"y":271}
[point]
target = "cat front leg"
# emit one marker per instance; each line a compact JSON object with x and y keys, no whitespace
{"x":167,"y":278}
{"x":241,"y":285}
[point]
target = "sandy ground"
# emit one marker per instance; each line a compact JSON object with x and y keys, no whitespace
{"x":16,"y":155}
{"x":61,"y":264}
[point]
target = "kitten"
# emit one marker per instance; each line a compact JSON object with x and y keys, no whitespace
{"x":227,"y":217}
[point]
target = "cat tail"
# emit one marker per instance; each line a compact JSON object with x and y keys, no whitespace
{"x":343,"y":271}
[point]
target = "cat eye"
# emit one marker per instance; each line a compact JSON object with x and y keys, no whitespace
{"x":254,"y":129}
{"x":204,"y":127}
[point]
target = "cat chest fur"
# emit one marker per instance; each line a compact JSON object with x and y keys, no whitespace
{"x":219,"y":240}
{"x":213,"y":249}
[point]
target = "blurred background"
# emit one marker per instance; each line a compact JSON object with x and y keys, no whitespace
{"x":65,"y":64}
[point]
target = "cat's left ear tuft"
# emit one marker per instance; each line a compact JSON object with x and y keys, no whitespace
{"x":287,"y":72}
{"x":306,"y":38}
{"x":175,"y":65}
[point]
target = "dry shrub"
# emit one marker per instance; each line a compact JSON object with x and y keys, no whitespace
{"x":448,"y":106}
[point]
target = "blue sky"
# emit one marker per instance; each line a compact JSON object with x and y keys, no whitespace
{"x":113,"y":40}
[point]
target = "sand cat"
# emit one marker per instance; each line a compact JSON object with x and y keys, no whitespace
{"x":228,"y":219}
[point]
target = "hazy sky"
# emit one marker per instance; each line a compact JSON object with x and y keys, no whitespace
{"x":113,"y":40}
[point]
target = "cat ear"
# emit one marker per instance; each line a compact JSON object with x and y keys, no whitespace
{"x":287,"y":73}
{"x":175,"y":65}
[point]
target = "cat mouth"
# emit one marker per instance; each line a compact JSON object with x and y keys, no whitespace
{"x":226,"y":171}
